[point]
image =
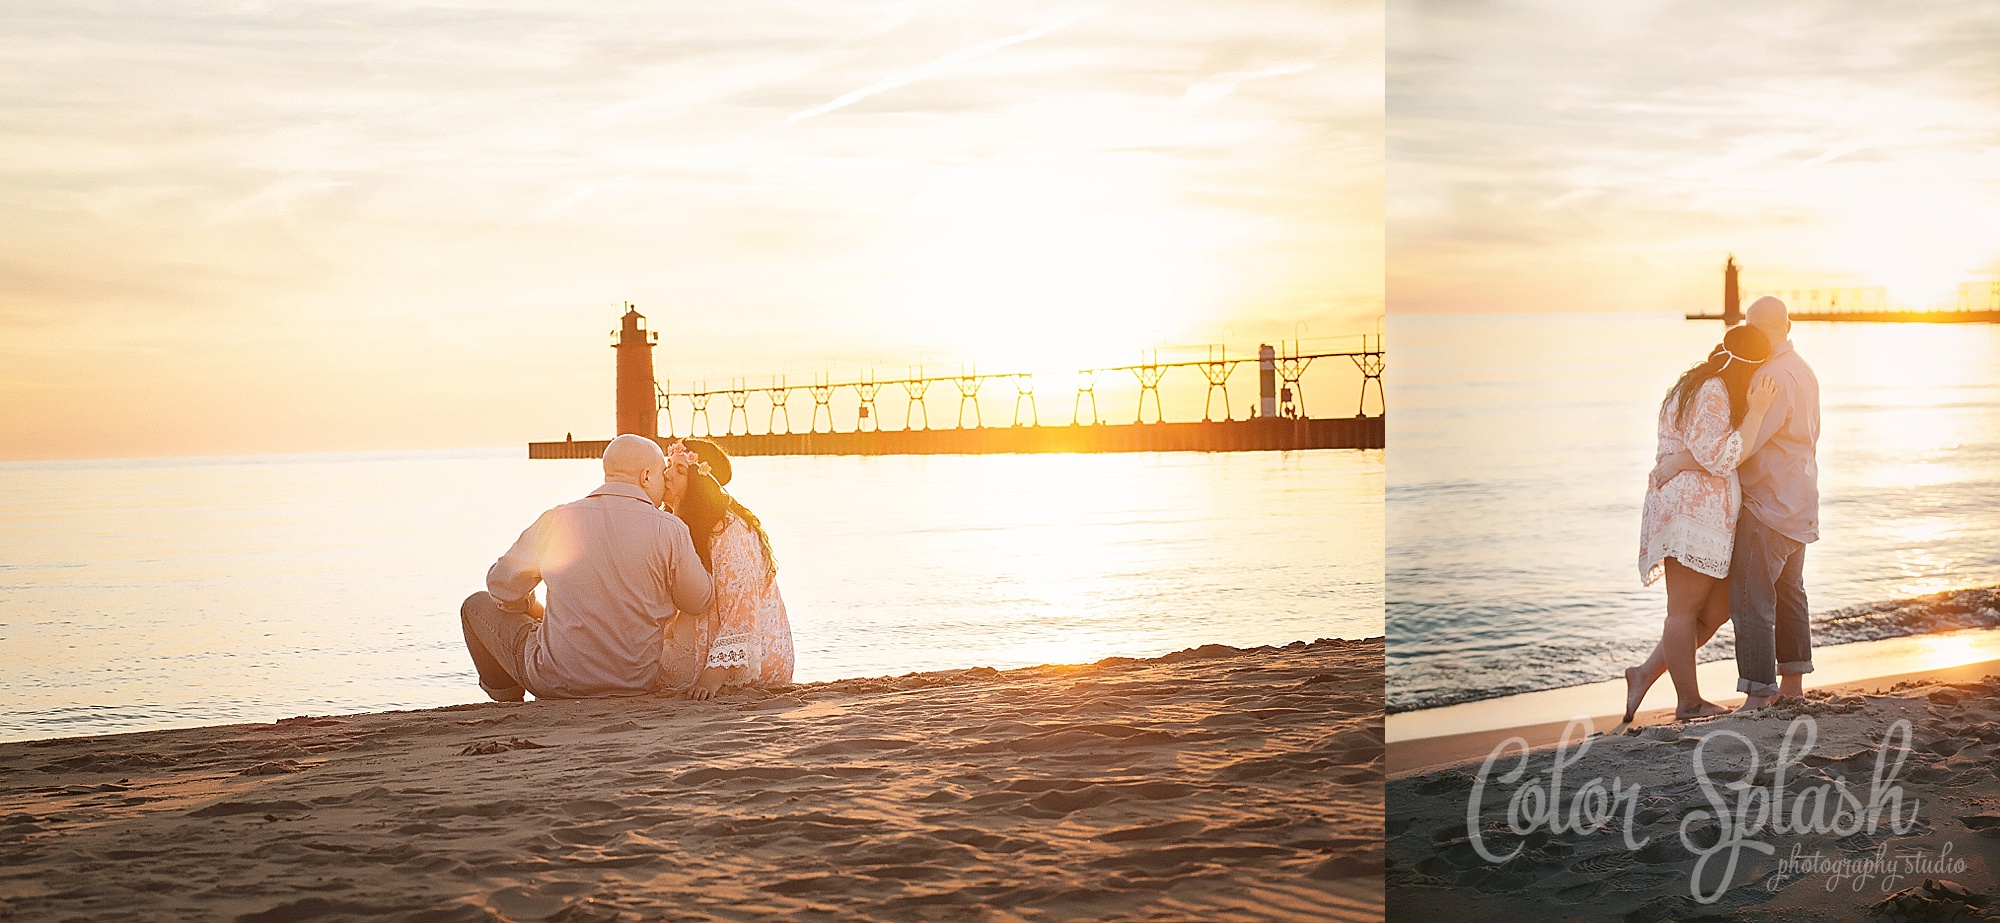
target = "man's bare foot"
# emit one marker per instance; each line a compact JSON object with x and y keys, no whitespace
{"x":1704,"y":710}
{"x":1635,"y":692}
{"x":1756,"y":702}
{"x":1791,"y":686}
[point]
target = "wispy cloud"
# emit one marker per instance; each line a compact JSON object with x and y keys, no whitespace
{"x":1573,"y":155}
{"x":279,"y":197}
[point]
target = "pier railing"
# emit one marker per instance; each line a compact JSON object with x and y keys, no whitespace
{"x":1278,"y":421}
{"x":1977,"y":303}
{"x":1288,"y":366}
{"x":1264,"y":434}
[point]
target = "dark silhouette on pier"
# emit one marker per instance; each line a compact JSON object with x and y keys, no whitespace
{"x":1278,"y":422}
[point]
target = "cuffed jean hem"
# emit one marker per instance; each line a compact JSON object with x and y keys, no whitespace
{"x":1761,"y":690}
{"x":1789,"y":668}
{"x":510,"y":694}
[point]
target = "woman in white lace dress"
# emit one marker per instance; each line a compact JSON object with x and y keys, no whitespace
{"x":745,"y":639}
{"x":1688,"y":530}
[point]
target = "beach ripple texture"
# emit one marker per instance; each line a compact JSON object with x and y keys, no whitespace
{"x":1210,"y":784}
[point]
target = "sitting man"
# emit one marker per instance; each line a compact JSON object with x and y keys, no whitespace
{"x":616,"y":566}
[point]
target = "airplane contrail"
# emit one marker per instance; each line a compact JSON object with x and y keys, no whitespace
{"x":957,"y":57}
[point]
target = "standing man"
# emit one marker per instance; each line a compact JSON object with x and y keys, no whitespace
{"x":1780,"y":481}
{"x":616,"y":565}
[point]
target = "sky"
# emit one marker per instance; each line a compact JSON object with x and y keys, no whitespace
{"x":1591,"y":156}
{"x":233,"y":228}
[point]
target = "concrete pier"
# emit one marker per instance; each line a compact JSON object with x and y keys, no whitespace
{"x":1884,"y":317}
{"x":1268,"y":434}
{"x":1978,"y":303}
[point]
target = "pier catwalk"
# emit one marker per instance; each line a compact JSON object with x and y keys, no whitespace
{"x":1278,"y":421}
{"x":1223,"y":436}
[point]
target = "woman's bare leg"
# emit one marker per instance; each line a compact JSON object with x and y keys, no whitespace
{"x":1639,"y":680}
{"x":1714,"y":614}
{"x":1691,"y":621}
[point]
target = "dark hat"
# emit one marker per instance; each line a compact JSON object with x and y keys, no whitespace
{"x":709,"y":452}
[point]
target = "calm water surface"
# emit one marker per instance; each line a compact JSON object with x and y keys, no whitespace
{"x":164,"y":593}
{"x":1519,"y":452}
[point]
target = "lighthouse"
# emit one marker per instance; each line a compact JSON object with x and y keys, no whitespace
{"x":638,"y":409}
{"x":1732,"y":303}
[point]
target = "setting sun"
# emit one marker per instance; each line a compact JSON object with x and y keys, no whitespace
{"x":1918,"y":239}
{"x":1043,"y":270}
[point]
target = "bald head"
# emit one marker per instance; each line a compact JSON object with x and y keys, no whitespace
{"x":1768,"y":315}
{"x":637,"y":461}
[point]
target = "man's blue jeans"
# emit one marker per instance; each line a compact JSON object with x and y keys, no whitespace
{"x":1767,"y":601}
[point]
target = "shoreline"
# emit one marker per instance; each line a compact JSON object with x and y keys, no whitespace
{"x":1540,"y":722}
{"x":1905,"y":618}
{"x":472,"y":691}
{"x":1214,"y":782}
{"x":1838,"y":663}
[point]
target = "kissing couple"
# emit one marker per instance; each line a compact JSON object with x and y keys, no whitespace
{"x":657,"y":581}
{"x":1731,"y":504}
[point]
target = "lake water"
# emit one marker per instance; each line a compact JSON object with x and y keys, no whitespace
{"x":156,"y":593}
{"x":1517,"y":464}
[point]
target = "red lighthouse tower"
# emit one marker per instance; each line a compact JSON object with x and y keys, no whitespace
{"x":1732,"y":303}
{"x":638,"y":409}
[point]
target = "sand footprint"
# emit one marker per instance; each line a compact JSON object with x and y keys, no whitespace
{"x":529,"y":903}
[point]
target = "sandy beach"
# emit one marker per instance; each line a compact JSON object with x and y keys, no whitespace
{"x":1948,"y":779}
{"x":1212,"y":784}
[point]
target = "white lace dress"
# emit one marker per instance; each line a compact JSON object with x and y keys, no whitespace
{"x":1692,"y":518}
{"x":747,"y":628}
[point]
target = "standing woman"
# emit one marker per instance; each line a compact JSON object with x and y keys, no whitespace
{"x":745,"y":639}
{"x":1688,"y":529}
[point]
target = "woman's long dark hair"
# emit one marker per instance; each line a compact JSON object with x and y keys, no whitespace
{"x":1735,"y":361}
{"x":703,"y":508}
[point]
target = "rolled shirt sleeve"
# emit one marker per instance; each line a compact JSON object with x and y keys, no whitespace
{"x":511,"y":581}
